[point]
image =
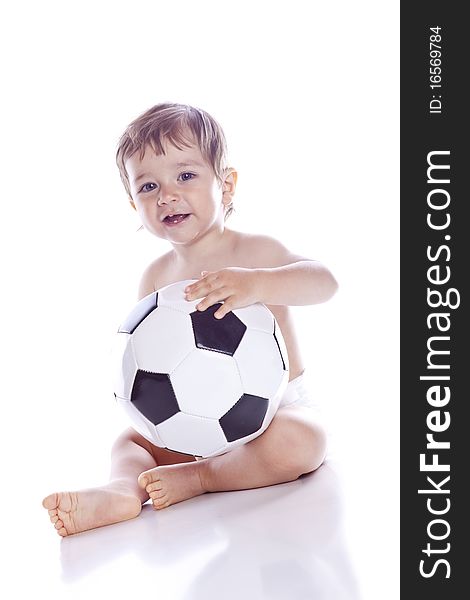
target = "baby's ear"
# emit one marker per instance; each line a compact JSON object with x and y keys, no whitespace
{"x":230,"y":181}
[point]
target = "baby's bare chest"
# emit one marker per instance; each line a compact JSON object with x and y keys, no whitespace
{"x":173,"y":272}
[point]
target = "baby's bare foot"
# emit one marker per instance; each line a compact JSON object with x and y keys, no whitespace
{"x":72,"y":512}
{"x":173,"y":483}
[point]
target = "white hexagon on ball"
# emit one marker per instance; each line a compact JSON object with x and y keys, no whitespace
{"x":173,"y":297}
{"x":190,"y":434}
{"x":164,"y":341}
{"x":256,"y":316}
{"x":267,"y":376}
{"x":206,"y":383}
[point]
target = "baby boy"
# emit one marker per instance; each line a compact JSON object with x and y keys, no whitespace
{"x":173,"y":164}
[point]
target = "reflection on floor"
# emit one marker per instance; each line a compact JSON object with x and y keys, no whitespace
{"x":281,"y":542}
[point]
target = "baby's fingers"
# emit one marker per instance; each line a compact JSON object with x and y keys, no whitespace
{"x":199,"y":289}
{"x":226,"y":307}
{"x":214,"y":297}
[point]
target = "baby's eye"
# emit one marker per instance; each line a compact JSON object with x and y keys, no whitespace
{"x":187,"y":176}
{"x":145,"y":187}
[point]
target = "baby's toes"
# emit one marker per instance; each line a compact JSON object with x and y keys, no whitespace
{"x":148,"y":477}
{"x":143,"y":480}
{"x":160,"y":501}
{"x":58,"y":524}
{"x":60,"y":528}
{"x":51,"y":503}
{"x":156,"y":486}
{"x":159,"y":498}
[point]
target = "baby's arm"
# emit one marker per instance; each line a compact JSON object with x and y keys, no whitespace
{"x":290,"y":279}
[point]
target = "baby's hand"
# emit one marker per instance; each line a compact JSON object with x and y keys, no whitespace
{"x":237,"y":287}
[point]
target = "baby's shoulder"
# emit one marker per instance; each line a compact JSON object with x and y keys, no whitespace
{"x":258,"y":250}
{"x":155,"y":275}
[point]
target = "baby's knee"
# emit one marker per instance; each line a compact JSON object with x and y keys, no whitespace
{"x":303,"y":443}
{"x":128,"y":438}
{"x":315,"y":446}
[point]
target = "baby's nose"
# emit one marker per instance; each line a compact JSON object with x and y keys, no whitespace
{"x":166,"y":196}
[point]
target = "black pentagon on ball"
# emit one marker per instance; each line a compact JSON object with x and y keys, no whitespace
{"x":152,"y":394}
{"x":140,"y":312}
{"x":219,"y":335}
{"x":245,"y":417}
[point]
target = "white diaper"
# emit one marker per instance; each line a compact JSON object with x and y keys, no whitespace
{"x":297,"y":393}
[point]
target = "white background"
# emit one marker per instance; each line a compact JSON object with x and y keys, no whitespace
{"x":307,"y":93}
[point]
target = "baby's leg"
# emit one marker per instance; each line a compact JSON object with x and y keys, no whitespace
{"x":293,"y":444}
{"x":118,"y":500}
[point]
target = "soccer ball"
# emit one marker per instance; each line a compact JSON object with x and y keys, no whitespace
{"x":195,"y":384}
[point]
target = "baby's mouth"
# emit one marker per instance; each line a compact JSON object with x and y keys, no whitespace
{"x":175,"y":219}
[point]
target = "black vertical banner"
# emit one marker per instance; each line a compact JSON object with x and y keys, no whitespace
{"x":435,"y":269}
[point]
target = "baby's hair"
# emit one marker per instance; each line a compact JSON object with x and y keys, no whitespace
{"x":171,"y":122}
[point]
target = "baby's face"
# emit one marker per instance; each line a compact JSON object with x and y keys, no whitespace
{"x":176,"y":194}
